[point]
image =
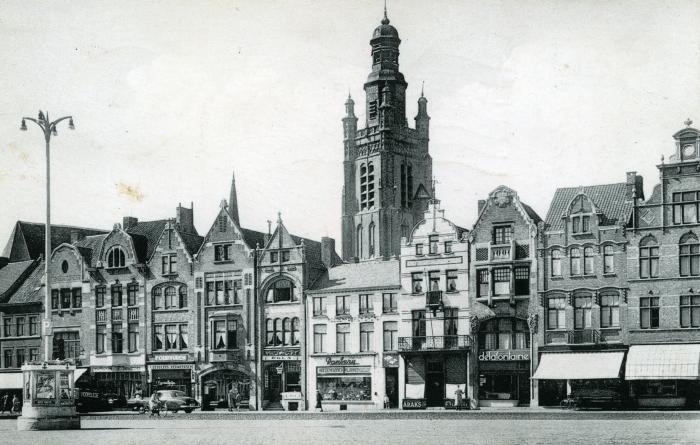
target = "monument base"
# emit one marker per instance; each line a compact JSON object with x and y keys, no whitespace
{"x":48,"y":423}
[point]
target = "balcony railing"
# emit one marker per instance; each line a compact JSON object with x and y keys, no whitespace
{"x":501,"y":253}
{"x":583,"y":336}
{"x":435,"y":343}
{"x":116,"y":314}
{"x":133,"y":314}
{"x":101,"y":314}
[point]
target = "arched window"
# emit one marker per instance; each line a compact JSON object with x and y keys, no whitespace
{"x":359,"y":241}
{"x":278,"y":332}
{"x":182,"y":293}
{"x":370,"y":234}
{"x":609,"y":310}
{"x":608,"y":259}
{"x":689,"y":255}
{"x":588,"y":261}
{"x":157,"y":298}
{"x":648,"y":258}
{"x":116,"y":257}
{"x":270,"y":332}
{"x":286,"y":332}
{"x":295,"y":331}
{"x":556,"y":263}
{"x":575,"y":258}
{"x":170,"y":302}
{"x":281,"y":290}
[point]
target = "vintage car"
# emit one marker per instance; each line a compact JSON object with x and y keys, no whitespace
{"x":170,"y":399}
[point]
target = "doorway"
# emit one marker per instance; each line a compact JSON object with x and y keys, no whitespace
{"x":435,"y":383}
{"x":391,"y":386}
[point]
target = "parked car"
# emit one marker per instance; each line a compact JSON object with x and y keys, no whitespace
{"x":115,"y":400}
{"x":90,"y":400}
{"x":173,"y":400}
{"x":177,"y":400}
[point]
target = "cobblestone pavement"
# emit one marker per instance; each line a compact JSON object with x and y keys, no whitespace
{"x":443,"y":428}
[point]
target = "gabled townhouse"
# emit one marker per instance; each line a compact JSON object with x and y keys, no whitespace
{"x":583,"y":292}
{"x":286,"y":268}
{"x":21,"y":297}
{"x":225,"y":304}
{"x":503,"y":290}
{"x":170,"y":307}
{"x":663,"y":268}
{"x":434,"y":335}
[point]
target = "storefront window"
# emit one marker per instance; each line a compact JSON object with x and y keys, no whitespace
{"x":345,"y":388}
{"x":656,"y":388}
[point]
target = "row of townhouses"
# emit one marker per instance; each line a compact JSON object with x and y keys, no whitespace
{"x":599,"y":299}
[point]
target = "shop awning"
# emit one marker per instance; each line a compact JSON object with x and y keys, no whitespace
{"x":663,"y":362}
{"x":77,"y":373}
{"x":11,"y":380}
{"x":579,"y":365}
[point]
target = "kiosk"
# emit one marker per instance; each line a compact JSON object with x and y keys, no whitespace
{"x":49,"y":397}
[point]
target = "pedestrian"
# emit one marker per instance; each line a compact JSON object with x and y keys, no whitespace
{"x":154,"y":404}
{"x":238,"y":401}
{"x":319,"y":400}
{"x":3,"y":402}
{"x":458,"y":398}
{"x":16,"y":405}
{"x":387,"y":402}
{"x":232,"y":398}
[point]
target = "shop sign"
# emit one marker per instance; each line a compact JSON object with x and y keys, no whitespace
{"x":506,"y":355}
{"x":322,"y":370}
{"x":173,"y":366}
{"x":331,"y":361}
{"x":276,"y":355}
{"x":390,"y":360}
{"x":414,"y":404}
{"x":169,"y":357}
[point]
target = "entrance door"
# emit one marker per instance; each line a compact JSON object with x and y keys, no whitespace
{"x":391,"y":385}
{"x":274,"y":384}
{"x":435,"y":383}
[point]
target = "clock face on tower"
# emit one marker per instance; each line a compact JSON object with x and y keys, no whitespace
{"x":688,"y":151}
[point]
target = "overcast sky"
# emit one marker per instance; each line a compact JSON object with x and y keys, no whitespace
{"x":169,"y":97}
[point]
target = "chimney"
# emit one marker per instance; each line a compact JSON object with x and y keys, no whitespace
{"x":481,"y":204}
{"x":635,"y":186}
{"x":184,"y":218}
{"x":128,"y":222}
{"x":327,"y":251}
{"x":76,"y":235}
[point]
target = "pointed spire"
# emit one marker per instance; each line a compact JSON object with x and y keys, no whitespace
{"x":233,"y":200}
{"x":385,"y":20}
{"x":422,"y":87}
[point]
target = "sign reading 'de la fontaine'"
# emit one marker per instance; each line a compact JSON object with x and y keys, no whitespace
{"x":504,"y":355}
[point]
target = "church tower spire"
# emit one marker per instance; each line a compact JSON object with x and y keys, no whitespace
{"x":233,"y":200}
{"x":386,"y":163}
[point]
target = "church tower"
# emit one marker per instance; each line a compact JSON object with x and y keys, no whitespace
{"x":387,"y":167}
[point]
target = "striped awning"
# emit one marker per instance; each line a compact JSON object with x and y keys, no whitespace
{"x":579,"y":365}
{"x":663,"y":362}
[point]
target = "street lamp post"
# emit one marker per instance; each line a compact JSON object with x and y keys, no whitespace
{"x":49,"y":129}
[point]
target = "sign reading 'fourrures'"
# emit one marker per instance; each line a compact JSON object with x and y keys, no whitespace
{"x":505,"y":355}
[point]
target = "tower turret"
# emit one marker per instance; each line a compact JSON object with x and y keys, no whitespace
{"x":422,"y":118}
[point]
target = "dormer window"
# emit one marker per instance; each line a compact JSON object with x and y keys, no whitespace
{"x":580,"y":212}
{"x":116,"y":258}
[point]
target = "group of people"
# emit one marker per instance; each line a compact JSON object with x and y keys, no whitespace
{"x":13,"y":405}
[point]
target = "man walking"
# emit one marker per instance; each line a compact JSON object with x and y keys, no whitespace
{"x":232,"y":395}
{"x":319,"y":401}
{"x":4,"y":403}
